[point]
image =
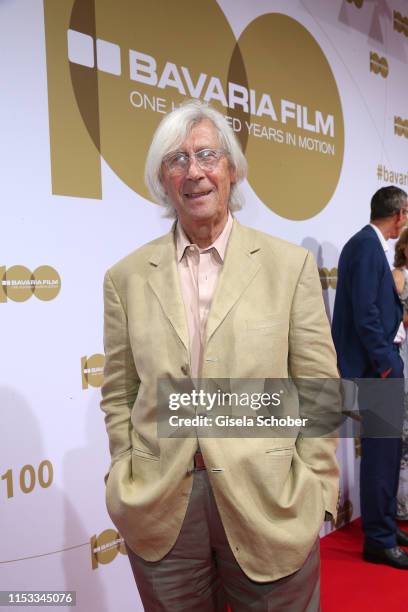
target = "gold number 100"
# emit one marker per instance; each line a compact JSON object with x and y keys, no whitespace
{"x":28,"y":477}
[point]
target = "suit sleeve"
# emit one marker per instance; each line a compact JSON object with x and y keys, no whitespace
{"x":121,"y":381}
{"x":367,"y":271}
{"x":312,"y":357}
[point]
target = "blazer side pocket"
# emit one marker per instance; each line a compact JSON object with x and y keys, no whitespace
{"x":142,"y":454}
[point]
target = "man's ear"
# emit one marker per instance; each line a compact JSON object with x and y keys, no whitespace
{"x":400,"y":216}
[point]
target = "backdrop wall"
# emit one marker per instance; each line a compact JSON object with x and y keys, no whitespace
{"x":316,"y":91}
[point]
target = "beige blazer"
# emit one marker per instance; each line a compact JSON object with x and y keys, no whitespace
{"x":267,"y":320}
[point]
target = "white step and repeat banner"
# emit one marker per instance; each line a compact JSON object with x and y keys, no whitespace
{"x":317,"y":93}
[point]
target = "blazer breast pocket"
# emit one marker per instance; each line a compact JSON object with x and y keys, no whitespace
{"x":267,"y":326}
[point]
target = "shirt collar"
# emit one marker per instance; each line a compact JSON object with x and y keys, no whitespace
{"x":380,"y":237}
{"x":220,"y":244}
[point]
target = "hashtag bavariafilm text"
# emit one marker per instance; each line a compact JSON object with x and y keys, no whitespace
{"x":394,"y":177}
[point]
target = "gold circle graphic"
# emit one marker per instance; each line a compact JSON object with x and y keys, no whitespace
{"x":18,"y":283}
{"x":295,"y":153}
{"x":47,"y":283}
{"x":108,"y":544}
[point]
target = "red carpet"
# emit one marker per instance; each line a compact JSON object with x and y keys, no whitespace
{"x":349,"y":584}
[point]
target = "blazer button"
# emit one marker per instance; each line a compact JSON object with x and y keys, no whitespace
{"x":185,"y":369}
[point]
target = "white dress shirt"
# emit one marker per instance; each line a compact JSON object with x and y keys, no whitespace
{"x":401,"y":334}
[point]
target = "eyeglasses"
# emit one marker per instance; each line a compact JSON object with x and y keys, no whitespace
{"x":179,"y":161}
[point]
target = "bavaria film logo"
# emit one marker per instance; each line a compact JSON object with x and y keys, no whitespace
{"x":18,"y":283}
{"x":103,"y":58}
{"x":106,"y":547}
{"x":92,"y":370}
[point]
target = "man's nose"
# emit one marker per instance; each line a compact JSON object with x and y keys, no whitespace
{"x":194,"y":171}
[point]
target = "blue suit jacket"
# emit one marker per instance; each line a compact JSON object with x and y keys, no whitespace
{"x":367,"y":309}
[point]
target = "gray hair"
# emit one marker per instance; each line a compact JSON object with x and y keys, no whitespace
{"x":387,"y":201}
{"x":170,"y":134}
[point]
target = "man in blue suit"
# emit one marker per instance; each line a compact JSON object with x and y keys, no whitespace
{"x":367,"y":330}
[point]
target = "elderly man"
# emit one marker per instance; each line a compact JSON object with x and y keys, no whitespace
{"x":367,"y":331}
{"x":207,"y":518}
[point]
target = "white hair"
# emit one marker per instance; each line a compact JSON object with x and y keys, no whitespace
{"x":170,"y":134}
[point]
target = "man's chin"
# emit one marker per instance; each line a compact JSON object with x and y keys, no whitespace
{"x":198,"y":203}
{"x":200,"y":209}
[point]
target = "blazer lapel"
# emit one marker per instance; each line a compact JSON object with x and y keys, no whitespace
{"x":239,"y":269}
{"x":165,"y":283}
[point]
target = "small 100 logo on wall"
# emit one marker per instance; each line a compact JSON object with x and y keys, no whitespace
{"x":18,"y":283}
{"x":344,"y":515}
{"x":400,"y":23}
{"x":378,"y":65}
{"x":401,"y":127}
{"x":328,"y":278}
{"x":105,"y":547}
{"x":92,"y":370}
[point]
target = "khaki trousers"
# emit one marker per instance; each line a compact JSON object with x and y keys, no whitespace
{"x":200,"y":573}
